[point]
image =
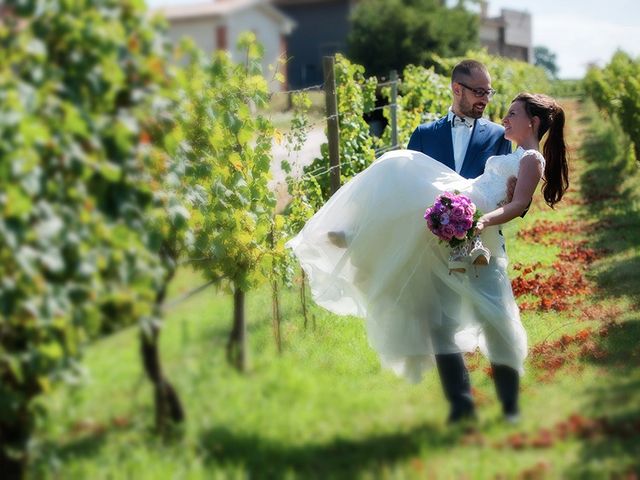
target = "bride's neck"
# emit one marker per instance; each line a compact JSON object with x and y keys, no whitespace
{"x":530,"y":143}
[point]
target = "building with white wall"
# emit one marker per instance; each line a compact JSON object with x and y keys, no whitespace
{"x":217,"y":24}
{"x":508,"y":35}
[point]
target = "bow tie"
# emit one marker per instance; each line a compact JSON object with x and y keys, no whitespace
{"x":460,"y":121}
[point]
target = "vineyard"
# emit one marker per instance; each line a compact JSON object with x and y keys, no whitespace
{"x":134,"y":187}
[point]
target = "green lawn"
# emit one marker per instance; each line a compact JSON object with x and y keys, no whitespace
{"x":325,"y":409}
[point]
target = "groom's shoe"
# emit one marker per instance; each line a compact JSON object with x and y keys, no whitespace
{"x":507,"y":382}
{"x":457,"y":389}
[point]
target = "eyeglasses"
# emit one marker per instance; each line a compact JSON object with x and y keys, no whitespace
{"x":479,"y":92}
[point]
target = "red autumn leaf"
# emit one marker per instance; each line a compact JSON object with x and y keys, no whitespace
{"x":144,"y":138}
{"x":517,"y":441}
{"x":543,"y":439}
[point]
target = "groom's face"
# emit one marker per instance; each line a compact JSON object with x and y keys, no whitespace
{"x":467,"y":102}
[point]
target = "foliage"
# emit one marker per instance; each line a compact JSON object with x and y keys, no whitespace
{"x":82,"y":85}
{"x":389,"y":35}
{"x":615,"y":89}
{"x":303,"y":191}
{"x":545,"y":59}
{"x":423,"y":96}
{"x":229,"y":145}
{"x":567,"y":88}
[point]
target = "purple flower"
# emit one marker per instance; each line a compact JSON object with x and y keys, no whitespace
{"x":448,"y":231}
{"x":458,"y":212}
{"x":460,"y":232}
{"x":430,"y":223}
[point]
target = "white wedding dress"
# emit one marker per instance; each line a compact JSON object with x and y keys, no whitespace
{"x":392,"y":271}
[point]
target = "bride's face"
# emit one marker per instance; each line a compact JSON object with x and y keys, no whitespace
{"x":517,"y":124}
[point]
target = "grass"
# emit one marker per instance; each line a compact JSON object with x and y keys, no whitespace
{"x":324,"y":409}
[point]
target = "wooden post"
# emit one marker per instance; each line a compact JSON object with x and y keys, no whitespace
{"x":238,"y":308}
{"x":236,"y":344}
{"x":333,"y":132}
{"x":394,"y":108}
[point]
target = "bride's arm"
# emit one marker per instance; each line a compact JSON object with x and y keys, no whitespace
{"x":529,"y":175}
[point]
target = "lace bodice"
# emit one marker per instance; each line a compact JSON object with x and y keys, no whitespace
{"x":490,"y":188}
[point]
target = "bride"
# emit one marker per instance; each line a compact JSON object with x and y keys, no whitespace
{"x":368,"y":252}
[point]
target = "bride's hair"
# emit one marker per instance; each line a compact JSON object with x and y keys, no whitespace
{"x":556,"y":170}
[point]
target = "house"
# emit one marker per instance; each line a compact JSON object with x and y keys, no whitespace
{"x":217,"y":24}
{"x":322,"y":29}
{"x":508,"y":35}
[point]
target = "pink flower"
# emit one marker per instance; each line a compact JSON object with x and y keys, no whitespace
{"x":458,"y":211}
{"x":447,"y":232}
{"x":461,"y":233}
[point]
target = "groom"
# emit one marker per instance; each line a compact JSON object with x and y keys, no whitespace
{"x":463,"y":140}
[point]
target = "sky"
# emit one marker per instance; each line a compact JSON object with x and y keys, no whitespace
{"x":579,"y":32}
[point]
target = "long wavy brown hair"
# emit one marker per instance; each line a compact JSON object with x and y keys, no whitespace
{"x":556,"y":170}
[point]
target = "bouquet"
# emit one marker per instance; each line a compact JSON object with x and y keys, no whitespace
{"x":452,"y":218}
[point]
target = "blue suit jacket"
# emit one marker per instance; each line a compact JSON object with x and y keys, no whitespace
{"x":487,"y":139}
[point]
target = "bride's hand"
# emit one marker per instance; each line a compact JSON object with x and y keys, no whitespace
{"x":479,"y":226}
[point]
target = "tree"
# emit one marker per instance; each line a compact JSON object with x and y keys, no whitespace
{"x":228,"y":172}
{"x":615,"y":89}
{"x":391,"y":34}
{"x":83,"y":87}
{"x":546,"y":59}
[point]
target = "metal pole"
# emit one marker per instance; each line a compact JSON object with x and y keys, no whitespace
{"x":333,"y":132}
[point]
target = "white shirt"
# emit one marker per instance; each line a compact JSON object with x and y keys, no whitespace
{"x":460,"y":134}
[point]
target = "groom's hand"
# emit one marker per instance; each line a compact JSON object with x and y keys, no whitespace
{"x":511,"y":187}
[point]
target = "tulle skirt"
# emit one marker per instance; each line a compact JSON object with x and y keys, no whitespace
{"x":367,"y":252}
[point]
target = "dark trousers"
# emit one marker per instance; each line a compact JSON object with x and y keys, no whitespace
{"x":507,"y":382}
{"x":454,"y":378}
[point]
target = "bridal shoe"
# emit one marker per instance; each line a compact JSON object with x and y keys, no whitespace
{"x":472,"y":252}
{"x":458,"y":259}
{"x":478,"y":253}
